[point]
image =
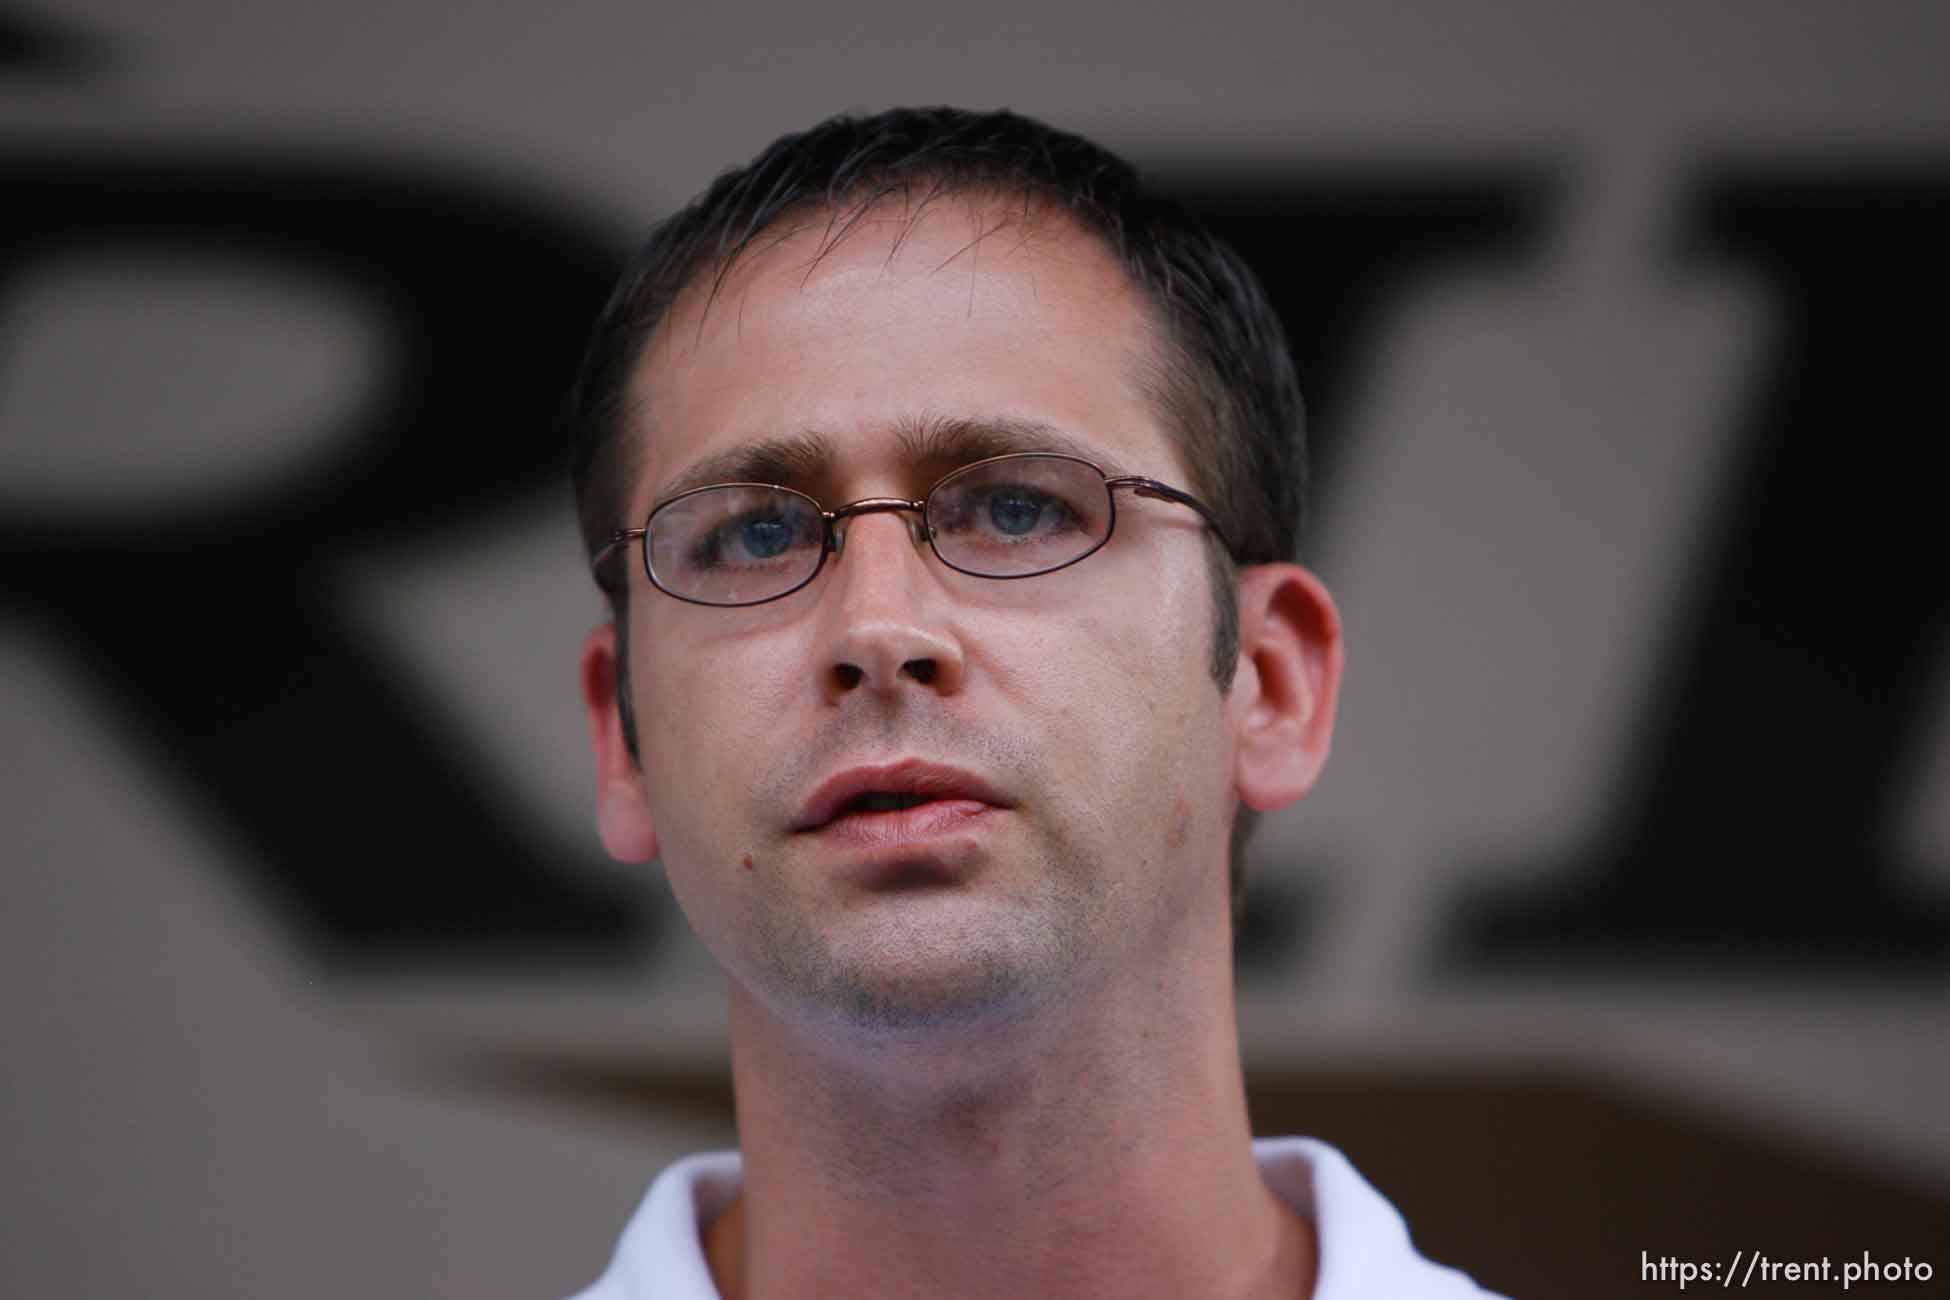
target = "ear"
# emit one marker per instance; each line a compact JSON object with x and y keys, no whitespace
{"x":1289,"y":679}
{"x":622,"y":804}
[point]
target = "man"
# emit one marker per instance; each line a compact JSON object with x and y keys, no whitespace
{"x":944,"y":485}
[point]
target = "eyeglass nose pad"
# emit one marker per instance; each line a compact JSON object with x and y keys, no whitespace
{"x":917,"y":528}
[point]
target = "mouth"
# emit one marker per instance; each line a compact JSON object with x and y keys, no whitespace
{"x":899,"y":800}
{"x":882,"y":801}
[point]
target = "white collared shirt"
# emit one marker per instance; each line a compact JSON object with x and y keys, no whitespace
{"x":1365,"y":1253}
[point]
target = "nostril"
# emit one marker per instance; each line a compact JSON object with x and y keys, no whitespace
{"x":848,"y":675}
{"x":921,"y":670}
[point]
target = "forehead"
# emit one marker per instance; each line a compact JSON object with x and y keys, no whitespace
{"x":848,"y":329}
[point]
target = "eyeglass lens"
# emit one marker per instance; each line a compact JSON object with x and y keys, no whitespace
{"x":1005,"y":518}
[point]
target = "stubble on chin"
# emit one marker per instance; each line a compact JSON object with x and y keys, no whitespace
{"x":931,"y":958}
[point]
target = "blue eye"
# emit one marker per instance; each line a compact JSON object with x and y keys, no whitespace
{"x":750,"y":539}
{"x":1015,"y":511}
{"x":765,"y":537}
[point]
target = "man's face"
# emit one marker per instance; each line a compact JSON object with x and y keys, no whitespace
{"x":1064,"y":730}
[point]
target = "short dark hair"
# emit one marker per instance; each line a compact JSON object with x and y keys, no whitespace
{"x":1224,"y":380}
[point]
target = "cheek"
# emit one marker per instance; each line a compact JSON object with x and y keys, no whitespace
{"x":1127,"y":684}
{"x":709,"y":716}
{"x":1159,"y":630}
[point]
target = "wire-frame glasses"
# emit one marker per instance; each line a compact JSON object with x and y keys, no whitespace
{"x":1014,"y":516}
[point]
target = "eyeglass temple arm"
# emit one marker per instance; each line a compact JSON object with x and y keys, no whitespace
{"x":1151,"y":487}
{"x":621,"y":537}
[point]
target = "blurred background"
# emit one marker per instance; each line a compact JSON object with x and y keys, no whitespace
{"x":1619,"y":925}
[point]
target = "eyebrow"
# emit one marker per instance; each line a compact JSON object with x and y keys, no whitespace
{"x":940,"y":443}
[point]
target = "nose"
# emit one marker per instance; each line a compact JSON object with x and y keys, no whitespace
{"x":889,"y":627}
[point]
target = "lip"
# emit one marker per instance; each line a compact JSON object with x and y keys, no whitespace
{"x":952,"y":794}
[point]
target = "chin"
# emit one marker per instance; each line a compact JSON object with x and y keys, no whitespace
{"x":919,"y":967}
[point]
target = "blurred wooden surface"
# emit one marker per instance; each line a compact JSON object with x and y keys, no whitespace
{"x":1539,"y":1186}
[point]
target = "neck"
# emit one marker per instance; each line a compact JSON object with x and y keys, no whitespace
{"x":1102,"y":1150}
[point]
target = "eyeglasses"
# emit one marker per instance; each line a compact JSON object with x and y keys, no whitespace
{"x":1014,"y":516}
